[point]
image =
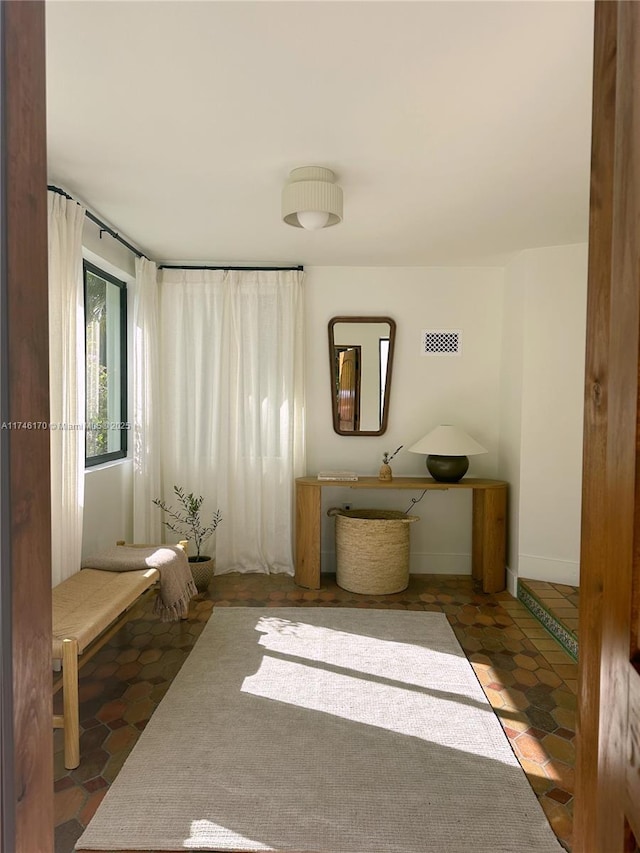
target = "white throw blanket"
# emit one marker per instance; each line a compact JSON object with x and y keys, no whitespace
{"x":177,"y":586}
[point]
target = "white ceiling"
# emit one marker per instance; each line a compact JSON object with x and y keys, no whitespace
{"x":459,"y":131}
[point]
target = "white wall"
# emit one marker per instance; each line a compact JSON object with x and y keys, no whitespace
{"x":425,"y":391}
{"x":108,"y":506}
{"x":510,"y":449}
{"x":554,"y":330}
{"x":541,"y":411}
{"x":517,"y":389}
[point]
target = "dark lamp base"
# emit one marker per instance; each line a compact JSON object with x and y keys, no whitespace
{"x":447,"y":469}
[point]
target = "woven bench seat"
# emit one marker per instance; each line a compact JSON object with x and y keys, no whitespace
{"x":85,"y":604}
{"x":88,"y":608}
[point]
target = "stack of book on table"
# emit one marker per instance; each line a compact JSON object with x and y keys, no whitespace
{"x":337,"y":475}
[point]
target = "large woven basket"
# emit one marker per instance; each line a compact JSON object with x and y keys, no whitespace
{"x":372,"y":550}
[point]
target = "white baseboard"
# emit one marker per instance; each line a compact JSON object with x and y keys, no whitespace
{"x":512,"y":582}
{"x":546,"y":569}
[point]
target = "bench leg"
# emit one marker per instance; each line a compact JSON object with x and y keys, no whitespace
{"x":70,"y":704}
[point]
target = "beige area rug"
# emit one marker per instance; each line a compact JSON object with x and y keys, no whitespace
{"x":326,"y":730}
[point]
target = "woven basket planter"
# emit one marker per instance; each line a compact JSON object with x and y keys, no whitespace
{"x":202,"y":572}
{"x":372,"y":550}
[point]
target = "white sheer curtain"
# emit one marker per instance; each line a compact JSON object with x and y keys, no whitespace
{"x":233,"y":415}
{"x":147,"y":521}
{"x":66,"y":383}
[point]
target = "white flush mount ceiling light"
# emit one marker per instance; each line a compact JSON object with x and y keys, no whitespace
{"x":311,"y":198}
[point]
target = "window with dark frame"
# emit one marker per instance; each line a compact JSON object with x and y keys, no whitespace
{"x":105,"y":315}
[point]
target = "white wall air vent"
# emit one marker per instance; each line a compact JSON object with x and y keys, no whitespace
{"x":441,"y":342}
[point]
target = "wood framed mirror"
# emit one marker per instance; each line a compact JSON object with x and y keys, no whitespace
{"x":361,"y":361}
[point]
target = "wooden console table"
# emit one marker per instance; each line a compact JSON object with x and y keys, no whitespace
{"x":488,"y":533}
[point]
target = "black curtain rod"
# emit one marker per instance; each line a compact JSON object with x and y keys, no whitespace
{"x":104,"y":228}
{"x":239,"y":269}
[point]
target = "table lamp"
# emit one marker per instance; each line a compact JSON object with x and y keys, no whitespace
{"x":447,"y":448}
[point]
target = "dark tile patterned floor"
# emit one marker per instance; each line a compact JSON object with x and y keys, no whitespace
{"x":528,"y":678}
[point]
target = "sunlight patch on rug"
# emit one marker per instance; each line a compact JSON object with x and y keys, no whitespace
{"x":204,"y":834}
{"x":369,"y":701}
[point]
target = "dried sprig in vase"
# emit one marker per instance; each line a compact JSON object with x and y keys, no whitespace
{"x":385,"y":472}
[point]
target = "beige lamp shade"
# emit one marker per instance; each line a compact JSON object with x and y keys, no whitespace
{"x":447,"y":449}
{"x":447,"y":440}
{"x":311,"y":198}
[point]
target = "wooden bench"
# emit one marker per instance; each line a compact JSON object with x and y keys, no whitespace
{"x":88,"y":608}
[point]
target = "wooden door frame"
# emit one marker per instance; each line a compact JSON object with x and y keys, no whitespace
{"x":605,"y":815}
{"x":338,"y":353}
{"x":26,"y":770}
{"x":26,"y":801}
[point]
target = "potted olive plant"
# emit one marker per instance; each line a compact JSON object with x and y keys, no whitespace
{"x":187,"y":522}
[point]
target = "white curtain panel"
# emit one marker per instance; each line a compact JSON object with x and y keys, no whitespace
{"x":233,"y":409}
{"x":147,"y":520}
{"x":66,"y":383}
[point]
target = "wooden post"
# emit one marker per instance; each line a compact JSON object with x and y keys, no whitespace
{"x":308,"y":533}
{"x":71,"y":709}
{"x":26,"y":769}
{"x":607,"y":814}
{"x":489,"y":538}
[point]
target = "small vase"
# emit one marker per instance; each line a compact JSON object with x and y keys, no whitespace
{"x":385,"y":472}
